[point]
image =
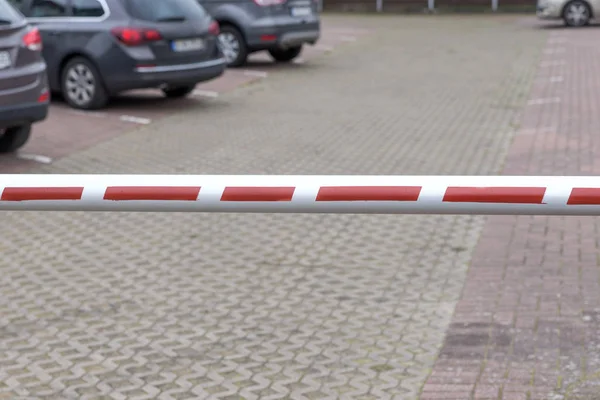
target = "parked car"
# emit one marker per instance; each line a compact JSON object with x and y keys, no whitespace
{"x":98,"y":48}
{"x":280,"y":26}
{"x":572,"y":12}
{"x":24,"y":93}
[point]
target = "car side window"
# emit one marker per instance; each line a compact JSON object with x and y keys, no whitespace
{"x":18,"y":4}
{"x":9,"y":13}
{"x":48,"y":8}
{"x":87,"y":8}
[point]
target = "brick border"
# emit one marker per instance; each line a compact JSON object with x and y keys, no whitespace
{"x":526,"y":325}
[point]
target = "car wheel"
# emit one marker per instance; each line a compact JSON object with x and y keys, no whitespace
{"x":577,"y":13}
{"x":233,"y":46}
{"x":13,"y":138}
{"x":177,"y":92}
{"x":82,"y":86}
{"x":287,"y":55}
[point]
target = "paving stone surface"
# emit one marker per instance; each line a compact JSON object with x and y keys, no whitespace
{"x":196,"y":306}
{"x":527,"y":324}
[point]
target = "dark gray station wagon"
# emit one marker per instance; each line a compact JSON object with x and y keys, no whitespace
{"x":24,"y":90}
{"x":98,"y":48}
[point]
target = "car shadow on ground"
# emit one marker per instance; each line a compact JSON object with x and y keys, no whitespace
{"x":151,"y":100}
{"x":272,"y":66}
{"x":263,"y":61}
{"x":559,"y":25}
{"x":144,"y":100}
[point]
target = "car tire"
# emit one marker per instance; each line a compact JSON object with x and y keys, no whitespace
{"x":287,"y":55}
{"x":577,"y":13}
{"x":178,"y":92}
{"x":14,"y":138}
{"x":82,"y":86}
{"x":233,"y":46}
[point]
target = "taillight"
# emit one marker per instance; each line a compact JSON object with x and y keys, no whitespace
{"x":44,"y":96}
{"x":213,"y":28}
{"x":33,"y":40}
{"x":265,"y":3}
{"x":268,"y":38}
{"x":135,"y":37}
{"x":152,"y":36}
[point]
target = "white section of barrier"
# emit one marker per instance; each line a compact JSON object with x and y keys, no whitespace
{"x":543,"y":195}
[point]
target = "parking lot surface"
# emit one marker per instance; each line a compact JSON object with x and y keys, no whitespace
{"x":190,"y":306}
{"x":68,"y":130}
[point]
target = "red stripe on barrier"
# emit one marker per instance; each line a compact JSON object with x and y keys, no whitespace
{"x":584,"y":196}
{"x":124,"y":193}
{"x":369,"y":193}
{"x":251,"y":193}
{"x":512,"y":195}
{"x":41,"y":193}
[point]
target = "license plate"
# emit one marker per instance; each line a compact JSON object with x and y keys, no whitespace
{"x":301,"y":11}
{"x":187,"y":45}
{"x":4,"y":59}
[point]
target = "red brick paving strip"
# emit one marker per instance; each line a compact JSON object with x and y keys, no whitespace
{"x":528,"y":323}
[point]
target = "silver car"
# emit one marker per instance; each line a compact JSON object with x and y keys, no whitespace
{"x":24,"y":93}
{"x":572,"y":12}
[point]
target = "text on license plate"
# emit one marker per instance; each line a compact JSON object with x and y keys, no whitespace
{"x":4,"y":59}
{"x":301,"y":11}
{"x":187,"y":45}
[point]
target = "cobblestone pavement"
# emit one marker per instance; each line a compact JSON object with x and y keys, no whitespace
{"x":51,"y":141}
{"x":194,"y":306}
{"x":527,"y":324}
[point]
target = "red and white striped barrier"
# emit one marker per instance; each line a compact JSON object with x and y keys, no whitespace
{"x":304,"y":194}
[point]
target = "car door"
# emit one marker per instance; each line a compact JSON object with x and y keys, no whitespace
{"x":19,"y":4}
{"x":52,"y":19}
{"x":86,"y":22}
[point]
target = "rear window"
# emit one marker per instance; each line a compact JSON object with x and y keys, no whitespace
{"x":9,"y":14}
{"x":165,"y":10}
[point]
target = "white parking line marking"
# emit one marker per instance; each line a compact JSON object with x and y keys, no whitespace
{"x":549,"y":100}
{"x":556,"y":79}
{"x":205,"y":93}
{"x":552,"y":63}
{"x":135,"y":120}
{"x":348,"y":38}
{"x":259,"y":74}
{"x":299,"y":61}
{"x":35,"y":157}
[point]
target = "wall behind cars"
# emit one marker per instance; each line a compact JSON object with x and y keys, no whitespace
{"x":420,"y":6}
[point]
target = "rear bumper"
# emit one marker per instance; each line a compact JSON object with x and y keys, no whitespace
{"x":169,"y":75}
{"x":292,"y":39}
{"x":283,"y":32}
{"x":23,"y":114}
{"x":548,"y":11}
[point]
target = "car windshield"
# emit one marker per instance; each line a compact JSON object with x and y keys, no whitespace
{"x":165,"y":10}
{"x":8,"y":14}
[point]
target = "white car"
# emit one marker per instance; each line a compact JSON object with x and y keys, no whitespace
{"x":573,"y":12}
